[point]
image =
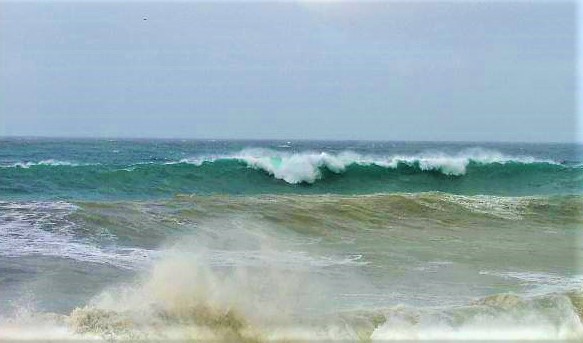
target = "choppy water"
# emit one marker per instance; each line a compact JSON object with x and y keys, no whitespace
{"x":261,"y":241}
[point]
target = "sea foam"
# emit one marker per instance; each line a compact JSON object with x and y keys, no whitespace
{"x":307,"y":167}
{"x":42,"y":229}
{"x":48,"y":162}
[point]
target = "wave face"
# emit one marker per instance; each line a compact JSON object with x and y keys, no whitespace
{"x":262,"y":170}
{"x":308,"y":167}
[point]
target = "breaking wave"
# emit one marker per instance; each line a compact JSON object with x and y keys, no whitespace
{"x":256,"y":171}
{"x":307,"y":166}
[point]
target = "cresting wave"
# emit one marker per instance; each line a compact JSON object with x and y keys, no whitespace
{"x":472,"y":171}
{"x":307,"y":166}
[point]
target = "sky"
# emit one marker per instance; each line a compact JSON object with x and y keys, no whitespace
{"x":453,"y":71}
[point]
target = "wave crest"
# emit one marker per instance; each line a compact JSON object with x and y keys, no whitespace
{"x":472,"y":171}
{"x":307,"y":167}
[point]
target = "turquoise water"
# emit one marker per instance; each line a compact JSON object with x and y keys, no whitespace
{"x":275,"y":240}
{"x":109,"y":169}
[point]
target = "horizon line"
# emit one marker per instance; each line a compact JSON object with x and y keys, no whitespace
{"x":130,"y":138}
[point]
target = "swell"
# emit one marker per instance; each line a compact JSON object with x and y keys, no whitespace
{"x":124,"y":234}
{"x":314,"y":216}
{"x":310,"y":174}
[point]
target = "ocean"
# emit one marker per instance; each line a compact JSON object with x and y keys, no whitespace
{"x":258,"y":241}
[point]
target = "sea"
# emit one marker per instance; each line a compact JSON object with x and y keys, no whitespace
{"x":292,"y":241}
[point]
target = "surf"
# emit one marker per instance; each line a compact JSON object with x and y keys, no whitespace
{"x":264,"y":171}
{"x":204,"y":303}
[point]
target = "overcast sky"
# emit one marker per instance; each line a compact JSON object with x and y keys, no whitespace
{"x":473,"y":71}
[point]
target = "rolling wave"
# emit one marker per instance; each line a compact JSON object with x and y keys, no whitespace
{"x":125,"y":234}
{"x":472,"y":171}
{"x":307,"y":167}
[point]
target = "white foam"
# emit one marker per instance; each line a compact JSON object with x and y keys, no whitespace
{"x":284,"y":259}
{"x":41,"y":228}
{"x":519,"y":319}
{"x":307,"y":166}
{"x":296,"y":167}
{"x":48,"y":162}
{"x":511,"y":208}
